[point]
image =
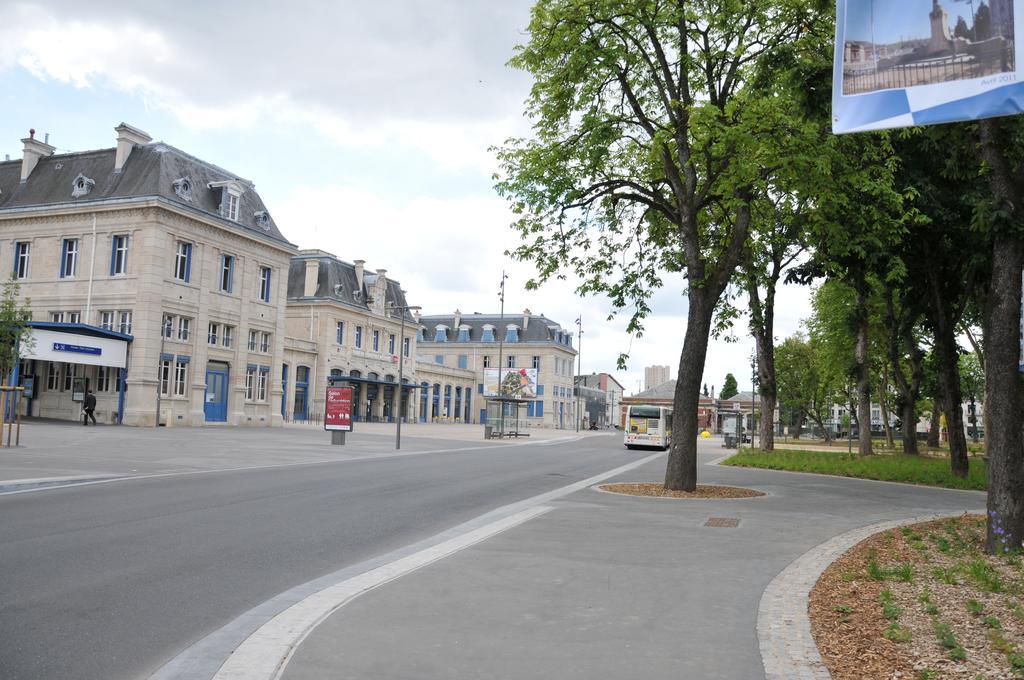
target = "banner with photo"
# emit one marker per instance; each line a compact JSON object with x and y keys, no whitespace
{"x":921,"y":62}
{"x":518,"y":383}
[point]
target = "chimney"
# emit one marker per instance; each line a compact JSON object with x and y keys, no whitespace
{"x":34,"y":150}
{"x":312,"y":282}
{"x":359,"y":273}
{"x":526,"y":318}
{"x":458,"y":319}
{"x":128,"y":138}
{"x":380,"y":290}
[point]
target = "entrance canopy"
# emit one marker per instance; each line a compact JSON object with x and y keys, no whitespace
{"x":76,"y":343}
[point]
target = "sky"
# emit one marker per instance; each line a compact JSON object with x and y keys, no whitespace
{"x":903,"y":20}
{"x":364,"y":126}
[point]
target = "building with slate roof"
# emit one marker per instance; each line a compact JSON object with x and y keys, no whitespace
{"x":343,"y":327}
{"x":157,"y":280}
{"x":476,"y":342}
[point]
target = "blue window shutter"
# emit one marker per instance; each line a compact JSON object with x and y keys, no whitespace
{"x":113,"y":253}
{"x":270,"y":273}
{"x":540,"y":409}
{"x":540,"y":390}
{"x":231,"y":274}
{"x":63,"y":257}
{"x":480,"y":388}
{"x":188,"y":261}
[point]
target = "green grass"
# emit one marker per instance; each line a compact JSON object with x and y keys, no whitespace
{"x":896,"y":468}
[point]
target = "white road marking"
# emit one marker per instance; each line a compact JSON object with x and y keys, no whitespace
{"x":266,"y":652}
{"x":258,"y":644}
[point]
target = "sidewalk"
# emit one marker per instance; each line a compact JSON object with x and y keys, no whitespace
{"x":607,"y":586}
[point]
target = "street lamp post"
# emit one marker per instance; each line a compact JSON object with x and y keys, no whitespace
{"x":579,"y":370}
{"x":501,"y":342}
{"x":753,"y":387}
{"x":401,"y":365}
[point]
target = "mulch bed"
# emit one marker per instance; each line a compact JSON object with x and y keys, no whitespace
{"x":922,"y":602}
{"x":704,"y":491}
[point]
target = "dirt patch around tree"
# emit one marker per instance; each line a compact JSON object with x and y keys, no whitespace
{"x":922,"y":602}
{"x":703,"y":491}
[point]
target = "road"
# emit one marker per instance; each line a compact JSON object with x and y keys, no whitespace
{"x":112,"y":580}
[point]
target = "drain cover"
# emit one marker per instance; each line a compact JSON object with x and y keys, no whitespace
{"x":727,"y":522}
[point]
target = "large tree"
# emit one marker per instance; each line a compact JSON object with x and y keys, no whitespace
{"x":730,"y":388}
{"x":1001,"y":149}
{"x":650,"y":146}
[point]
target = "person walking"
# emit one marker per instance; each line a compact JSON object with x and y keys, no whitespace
{"x":88,"y":406}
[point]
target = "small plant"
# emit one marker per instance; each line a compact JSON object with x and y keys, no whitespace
{"x":998,"y":642}
{"x":896,"y":633}
{"x":849,"y":576}
{"x":1016,"y":660}
{"x":975,"y":607}
{"x":948,"y":575}
{"x":992,"y":622}
{"x":875,"y":572}
{"x":945,"y":635}
{"x":890,"y":609}
{"x":958,"y":654}
{"x":984,"y":576}
{"x":1017,"y":611}
{"x":927,"y":674}
{"x":942,"y":544}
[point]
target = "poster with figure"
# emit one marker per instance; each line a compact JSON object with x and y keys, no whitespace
{"x":517,"y":383}
{"x":921,"y":62}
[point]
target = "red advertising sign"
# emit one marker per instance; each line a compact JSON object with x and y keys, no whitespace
{"x":338,"y":413}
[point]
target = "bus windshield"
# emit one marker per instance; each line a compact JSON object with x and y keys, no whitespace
{"x":644,"y":412}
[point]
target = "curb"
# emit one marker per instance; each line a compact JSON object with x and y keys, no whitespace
{"x":784,"y":634}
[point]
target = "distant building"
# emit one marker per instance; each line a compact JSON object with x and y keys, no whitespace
{"x":473,"y":342}
{"x":613,"y":392}
{"x":655,"y":375}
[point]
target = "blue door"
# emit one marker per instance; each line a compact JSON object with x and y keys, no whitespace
{"x":284,"y":390}
{"x":561,"y":416}
{"x":301,"y":402}
{"x":215,"y":407}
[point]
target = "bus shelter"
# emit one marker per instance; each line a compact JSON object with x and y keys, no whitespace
{"x":503,"y":417}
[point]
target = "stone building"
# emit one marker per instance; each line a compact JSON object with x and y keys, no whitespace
{"x":477,"y":341}
{"x":157,"y":281}
{"x":343,"y":325}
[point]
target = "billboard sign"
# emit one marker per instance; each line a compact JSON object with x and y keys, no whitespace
{"x":921,"y":62}
{"x":338,"y":409}
{"x":518,"y":383}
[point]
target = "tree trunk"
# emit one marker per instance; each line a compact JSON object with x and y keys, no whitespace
{"x":799,"y":426}
{"x":681,"y":470}
{"x":935,"y":426}
{"x":768,"y":391}
{"x":909,"y":417}
{"x":883,"y":398}
{"x":1004,"y":402}
{"x":863,"y":374}
{"x":949,"y":389}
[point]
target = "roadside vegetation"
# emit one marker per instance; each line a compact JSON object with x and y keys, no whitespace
{"x":924,"y":470}
{"x":923,"y":601}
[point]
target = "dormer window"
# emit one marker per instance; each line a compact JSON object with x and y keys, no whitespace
{"x":81,"y":186}
{"x":463,"y":333}
{"x":183,"y":188}
{"x":488,"y":334}
{"x":512,"y":334}
{"x":440,"y":334}
{"x":230,"y":198}
{"x":262,"y":218}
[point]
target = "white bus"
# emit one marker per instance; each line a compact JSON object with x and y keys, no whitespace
{"x":648,"y":426}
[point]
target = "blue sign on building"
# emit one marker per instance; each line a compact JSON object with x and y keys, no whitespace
{"x":77,"y":349}
{"x":921,"y":62}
